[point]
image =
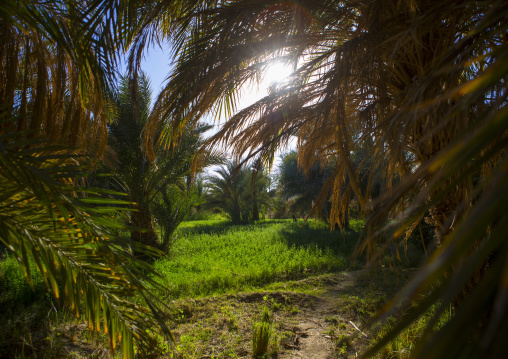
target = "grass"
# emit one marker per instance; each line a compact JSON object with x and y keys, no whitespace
{"x":213,"y":257}
{"x":400,"y":348}
{"x":221,"y":276}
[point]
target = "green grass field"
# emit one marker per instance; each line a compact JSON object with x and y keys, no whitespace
{"x":211,"y":257}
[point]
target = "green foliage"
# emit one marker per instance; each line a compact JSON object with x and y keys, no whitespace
{"x":170,"y":209}
{"x":261,"y":334}
{"x":24,"y":308}
{"x":215,"y":256}
{"x":238,"y":191}
{"x":206,"y":216}
{"x":14,"y":288}
{"x":302,"y":188}
{"x":66,"y":231}
{"x":161,"y":189}
{"x":402,"y":345}
{"x":266,"y":316}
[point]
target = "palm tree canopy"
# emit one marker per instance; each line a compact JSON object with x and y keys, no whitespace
{"x":419,"y":85}
{"x":237,"y":190}
{"x":56,"y":61}
{"x":160,"y":184}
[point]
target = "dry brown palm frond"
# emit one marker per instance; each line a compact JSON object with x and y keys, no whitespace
{"x":419,"y":84}
{"x":50,"y":78}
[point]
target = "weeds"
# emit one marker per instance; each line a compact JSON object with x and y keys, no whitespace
{"x":261,"y":334}
{"x":401,"y":347}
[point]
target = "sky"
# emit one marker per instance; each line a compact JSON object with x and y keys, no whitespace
{"x":157,"y":63}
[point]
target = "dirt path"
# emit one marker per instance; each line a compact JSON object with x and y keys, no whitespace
{"x":315,"y":318}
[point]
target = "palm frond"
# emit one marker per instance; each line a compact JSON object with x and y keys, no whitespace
{"x":66,"y":229}
{"x":418,"y":85}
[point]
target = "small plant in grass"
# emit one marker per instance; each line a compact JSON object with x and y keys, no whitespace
{"x":261,"y":333}
{"x":229,"y":317}
{"x":274,"y":304}
{"x":266,"y":316}
{"x":343,"y":339}
{"x":293,"y":310}
{"x":330,"y":332}
{"x":342,"y":342}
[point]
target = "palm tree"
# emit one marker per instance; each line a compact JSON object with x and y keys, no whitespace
{"x":420,"y":85}
{"x":157,"y":187}
{"x":238,"y":191}
{"x":303,"y":190}
{"x":226,"y":191}
{"x":55,"y":65}
{"x":258,"y":192}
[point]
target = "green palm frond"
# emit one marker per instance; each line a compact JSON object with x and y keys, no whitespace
{"x":66,"y":229}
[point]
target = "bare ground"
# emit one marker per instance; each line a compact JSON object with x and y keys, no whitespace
{"x":320,"y":317}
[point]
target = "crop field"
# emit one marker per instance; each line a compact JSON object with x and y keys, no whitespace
{"x":212,"y":257}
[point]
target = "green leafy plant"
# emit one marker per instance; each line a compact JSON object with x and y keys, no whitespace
{"x":266,"y":316}
{"x":261,"y":334}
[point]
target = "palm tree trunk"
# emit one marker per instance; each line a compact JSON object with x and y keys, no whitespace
{"x":141,"y":218}
{"x":255,"y":207}
{"x":236,"y":216}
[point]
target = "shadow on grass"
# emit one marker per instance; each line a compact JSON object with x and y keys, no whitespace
{"x":305,"y":236}
{"x":221,"y":227}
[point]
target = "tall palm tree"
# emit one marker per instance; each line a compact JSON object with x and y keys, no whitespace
{"x":420,"y":85}
{"x":159,"y":185}
{"x":258,"y":191}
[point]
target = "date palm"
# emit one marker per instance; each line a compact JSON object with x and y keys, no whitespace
{"x":302,"y":190}
{"x":237,"y":190}
{"x":160,"y":184}
{"x":56,"y":61}
{"x":420,"y":85}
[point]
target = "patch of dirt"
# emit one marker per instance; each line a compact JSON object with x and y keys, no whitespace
{"x":320,"y":317}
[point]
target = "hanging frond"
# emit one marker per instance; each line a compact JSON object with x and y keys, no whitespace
{"x":420,"y":86}
{"x":57,"y":62}
{"x":47,"y":218}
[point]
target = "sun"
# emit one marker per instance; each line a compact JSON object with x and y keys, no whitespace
{"x":277,"y":72}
